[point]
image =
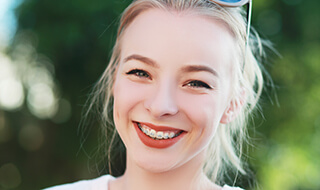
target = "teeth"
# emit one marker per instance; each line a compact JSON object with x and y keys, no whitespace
{"x":152,"y":133}
{"x":146,"y":131}
{"x":166,"y":135}
{"x":171,"y":134}
{"x":158,"y":135}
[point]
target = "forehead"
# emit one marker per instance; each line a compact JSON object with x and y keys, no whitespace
{"x":178,"y":37}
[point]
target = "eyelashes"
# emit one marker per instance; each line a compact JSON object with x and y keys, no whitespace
{"x":196,"y":84}
{"x":139,"y":73}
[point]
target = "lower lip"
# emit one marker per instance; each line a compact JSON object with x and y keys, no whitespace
{"x":150,"y":142}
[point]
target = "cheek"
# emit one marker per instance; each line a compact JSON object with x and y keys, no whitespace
{"x":205,"y":113}
{"x":126,"y":96}
{"x":121,"y":98}
{"x":203,"y":109}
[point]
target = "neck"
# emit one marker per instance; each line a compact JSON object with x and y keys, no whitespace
{"x":189,"y":176}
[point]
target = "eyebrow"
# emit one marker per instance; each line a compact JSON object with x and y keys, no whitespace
{"x":188,"y":68}
{"x":199,"y":68}
{"x":143,"y":59}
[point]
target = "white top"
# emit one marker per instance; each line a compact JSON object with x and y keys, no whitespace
{"x":101,"y":183}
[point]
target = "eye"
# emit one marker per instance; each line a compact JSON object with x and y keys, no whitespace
{"x":198,"y":84}
{"x":139,"y":73}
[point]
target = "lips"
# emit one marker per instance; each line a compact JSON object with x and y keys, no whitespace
{"x":157,"y":136}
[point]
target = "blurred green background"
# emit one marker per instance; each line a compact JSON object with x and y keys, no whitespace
{"x":54,"y":51}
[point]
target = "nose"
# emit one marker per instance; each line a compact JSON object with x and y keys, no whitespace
{"x":162,"y":101}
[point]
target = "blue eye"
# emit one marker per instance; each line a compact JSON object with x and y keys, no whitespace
{"x":198,"y":84}
{"x":138,"y":73}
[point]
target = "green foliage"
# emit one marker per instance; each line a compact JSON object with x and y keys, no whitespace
{"x":288,"y":155}
{"x":77,"y":37}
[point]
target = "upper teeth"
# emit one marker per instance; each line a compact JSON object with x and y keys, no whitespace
{"x":157,"y":134}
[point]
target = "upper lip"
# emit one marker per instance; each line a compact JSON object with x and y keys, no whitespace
{"x":159,"y":127}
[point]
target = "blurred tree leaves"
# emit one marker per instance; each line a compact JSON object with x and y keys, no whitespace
{"x":288,"y":155}
{"x":77,"y":37}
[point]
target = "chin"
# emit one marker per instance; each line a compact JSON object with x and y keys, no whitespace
{"x":156,"y":162}
{"x":154,"y":168}
{"x":157,"y":165}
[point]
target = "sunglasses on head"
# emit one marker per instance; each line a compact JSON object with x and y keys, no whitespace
{"x":238,"y":3}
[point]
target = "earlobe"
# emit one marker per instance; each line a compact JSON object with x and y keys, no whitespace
{"x":228,"y":116}
{"x":233,"y":109}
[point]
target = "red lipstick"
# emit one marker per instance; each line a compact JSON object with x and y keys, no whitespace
{"x":154,"y":143}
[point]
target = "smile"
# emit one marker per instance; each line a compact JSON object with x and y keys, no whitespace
{"x":158,"y":135}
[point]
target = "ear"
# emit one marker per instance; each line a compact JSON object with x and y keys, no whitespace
{"x":234,"y":108}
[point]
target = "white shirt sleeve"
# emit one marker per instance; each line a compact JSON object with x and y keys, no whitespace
{"x":226,"y":187}
{"x":100,"y":183}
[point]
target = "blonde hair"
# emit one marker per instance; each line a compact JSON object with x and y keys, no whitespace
{"x":225,"y":150}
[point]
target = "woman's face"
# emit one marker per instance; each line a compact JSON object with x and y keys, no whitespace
{"x":172,"y":87}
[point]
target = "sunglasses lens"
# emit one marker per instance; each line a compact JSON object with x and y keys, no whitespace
{"x":230,"y":1}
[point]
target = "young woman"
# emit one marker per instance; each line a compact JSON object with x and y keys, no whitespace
{"x":181,"y":82}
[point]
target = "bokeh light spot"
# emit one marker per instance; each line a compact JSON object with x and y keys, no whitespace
{"x":11,"y":94}
{"x":37,"y":75}
{"x":9,"y":176}
{"x":6,"y":67}
{"x":42,"y":101}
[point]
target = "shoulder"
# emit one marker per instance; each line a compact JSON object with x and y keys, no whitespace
{"x":96,"y":184}
{"x":226,"y":187}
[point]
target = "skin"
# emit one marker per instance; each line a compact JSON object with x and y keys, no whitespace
{"x":175,"y":71}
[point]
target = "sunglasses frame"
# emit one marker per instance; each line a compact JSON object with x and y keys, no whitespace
{"x":236,"y":4}
{"x":249,"y":13}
